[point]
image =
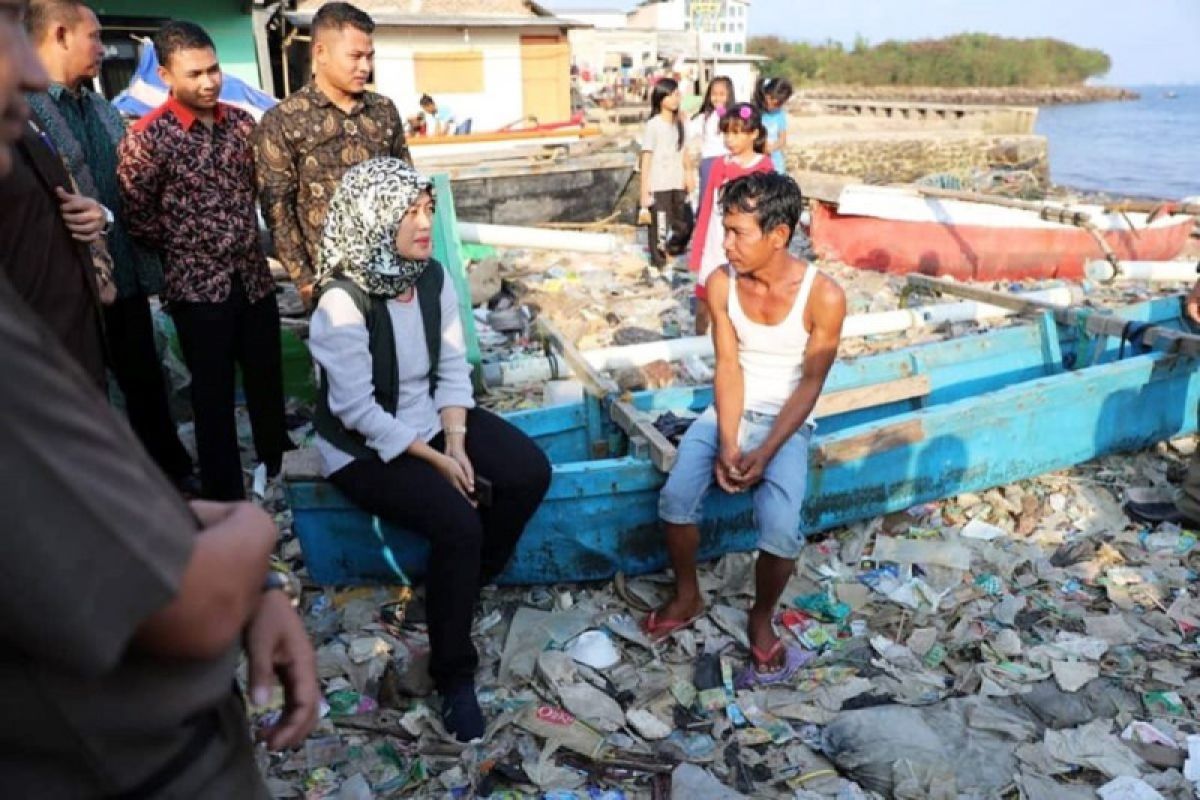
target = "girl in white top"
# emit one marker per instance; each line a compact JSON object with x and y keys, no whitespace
{"x":704,"y":130}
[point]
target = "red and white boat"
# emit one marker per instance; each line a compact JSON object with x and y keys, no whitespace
{"x":890,"y":229}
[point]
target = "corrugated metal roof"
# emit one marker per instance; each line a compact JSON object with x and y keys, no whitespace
{"x":402,"y":19}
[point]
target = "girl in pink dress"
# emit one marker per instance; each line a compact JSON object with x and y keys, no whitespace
{"x":745,"y":139}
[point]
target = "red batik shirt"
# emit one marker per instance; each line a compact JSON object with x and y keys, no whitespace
{"x":188,"y":190}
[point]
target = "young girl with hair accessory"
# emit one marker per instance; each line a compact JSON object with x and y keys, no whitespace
{"x":745,"y":138}
{"x":704,"y":130}
{"x":663,"y":192}
{"x":771,"y":96}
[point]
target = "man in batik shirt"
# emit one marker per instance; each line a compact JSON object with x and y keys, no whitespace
{"x":306,"y":143}
{"x":187,"y":181}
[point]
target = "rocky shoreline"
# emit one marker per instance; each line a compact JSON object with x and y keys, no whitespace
{"x":975,"y":95}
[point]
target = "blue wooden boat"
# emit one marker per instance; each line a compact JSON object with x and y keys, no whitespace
{"x":895,"y":430}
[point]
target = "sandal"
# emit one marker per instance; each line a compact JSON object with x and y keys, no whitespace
{"x":659,"y":629}
{"x":753,"y":675}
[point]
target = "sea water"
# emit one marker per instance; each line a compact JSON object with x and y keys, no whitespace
{"x":1142,"y":148}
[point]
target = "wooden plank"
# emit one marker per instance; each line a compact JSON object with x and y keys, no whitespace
{"x":595,"y":383}
{"x":417,"y":142}
{"x":822,"y":186}
{"x":876,"y":394}
{"x":630,"y":420}
{"x":884,"y":438}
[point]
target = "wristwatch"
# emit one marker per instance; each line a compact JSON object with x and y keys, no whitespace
{"x":109,"y":219}
{"x":279,"y":578}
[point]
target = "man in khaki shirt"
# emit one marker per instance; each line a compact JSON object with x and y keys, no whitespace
{"x":122,"y":609}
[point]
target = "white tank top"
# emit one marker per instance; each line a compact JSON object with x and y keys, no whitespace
{"x":771,"y":356}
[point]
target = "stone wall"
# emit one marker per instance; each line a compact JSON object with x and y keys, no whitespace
{"x":902,"y":159}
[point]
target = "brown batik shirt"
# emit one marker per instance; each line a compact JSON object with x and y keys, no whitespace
{"x":188,"y":191}
{"x":303,"y":146}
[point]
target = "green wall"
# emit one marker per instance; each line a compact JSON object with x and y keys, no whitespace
{"x":224,"y":20}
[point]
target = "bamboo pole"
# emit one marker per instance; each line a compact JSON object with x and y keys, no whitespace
{"x":1097,"y":324}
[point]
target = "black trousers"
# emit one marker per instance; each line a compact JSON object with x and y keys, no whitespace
{"x":133,"y":358}
{"x":470,"y":546}
{"x":671,"y":223}
{"x":216,"y":337}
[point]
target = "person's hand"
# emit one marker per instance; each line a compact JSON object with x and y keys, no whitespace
{"x":211,"y":513}
{"x":456,"y":449}
{"x":751,"y":466}
{"x":306,"y":295}
{"x":1192,"y":304}
{"x":647,"y":200}
{"x":84,"y":217}
{"x":689,"y":183}
{"x":452,"y":471}
{"x":278,"y":647}
{"x":725,"y":470}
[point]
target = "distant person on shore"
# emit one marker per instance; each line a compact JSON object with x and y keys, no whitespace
{"x":439,"y":120}
{"x":187,"y":181}
{"x":413,"y":449}
{"x":704,"y":129}
{"x":84,"y":130}
{"x":771,"y":96}
{"x":745,"y":137}
{"x":664,"y":181}
{"x":777,"y":323}
{"x":305,"y":144}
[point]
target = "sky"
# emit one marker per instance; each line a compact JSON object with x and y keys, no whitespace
{"x":1149,"y":42}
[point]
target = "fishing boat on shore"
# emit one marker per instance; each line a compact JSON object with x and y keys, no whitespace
{"x":902,"y":230}
{"x":895,"y":430}
{"x":556,"y":173}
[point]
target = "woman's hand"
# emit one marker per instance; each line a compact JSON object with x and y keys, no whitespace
{"x":457,"y":450}
{"x":459,"y":478}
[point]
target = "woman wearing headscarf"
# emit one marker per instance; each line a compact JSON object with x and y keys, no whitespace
{"x":397,"y":427}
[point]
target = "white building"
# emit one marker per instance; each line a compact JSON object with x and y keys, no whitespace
{"x":721,"y":24}
{"x":493,"y":62}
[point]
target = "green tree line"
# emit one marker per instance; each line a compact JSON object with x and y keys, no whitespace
{"x":969,"y":59}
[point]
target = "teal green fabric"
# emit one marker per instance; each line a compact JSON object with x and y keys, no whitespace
{"x":86,"y":129}
{"x":385,"y":370}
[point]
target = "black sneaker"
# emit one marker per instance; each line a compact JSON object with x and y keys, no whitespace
{"x":461,"y":714}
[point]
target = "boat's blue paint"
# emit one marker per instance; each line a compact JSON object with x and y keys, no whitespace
{"x":1001,"y":408}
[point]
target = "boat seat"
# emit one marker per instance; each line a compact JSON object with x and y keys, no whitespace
{"x":638,"y":425}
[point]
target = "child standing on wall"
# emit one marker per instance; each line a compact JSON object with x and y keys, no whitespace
{"x":704,"y":130}
{"x":664,"y":185}
{"x":745,"y":138}
{"x":771,"y":96}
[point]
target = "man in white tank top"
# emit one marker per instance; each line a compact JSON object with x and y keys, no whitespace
{"x":776,"y":324}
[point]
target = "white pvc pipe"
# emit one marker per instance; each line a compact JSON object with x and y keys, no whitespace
{"x":537,"y":238}
{"x":534,"y":369}
{"x":1152,"y":271}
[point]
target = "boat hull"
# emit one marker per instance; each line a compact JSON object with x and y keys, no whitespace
{"x":1001,"y":407}
{"x":981,"y":252}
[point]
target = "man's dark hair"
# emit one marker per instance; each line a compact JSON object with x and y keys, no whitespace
{"x":426,"y":100}
{"x":42,"y":15}
{"x":336,"y":16}
{"x":179,"y":35}
{"x":772,"y":197}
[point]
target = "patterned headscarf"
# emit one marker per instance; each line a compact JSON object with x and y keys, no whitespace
{"x":359,"y":240}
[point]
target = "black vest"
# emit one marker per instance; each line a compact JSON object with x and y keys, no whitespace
{"x":385,"y":370}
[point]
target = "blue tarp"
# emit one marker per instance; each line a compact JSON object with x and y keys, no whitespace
{"x":146,"y":91}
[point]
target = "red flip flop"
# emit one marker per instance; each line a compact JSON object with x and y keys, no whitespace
{"x":659,"y":629}
{"x":794,"y":659}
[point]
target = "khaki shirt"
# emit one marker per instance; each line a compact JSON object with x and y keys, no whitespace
{"x":94,"y":541}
